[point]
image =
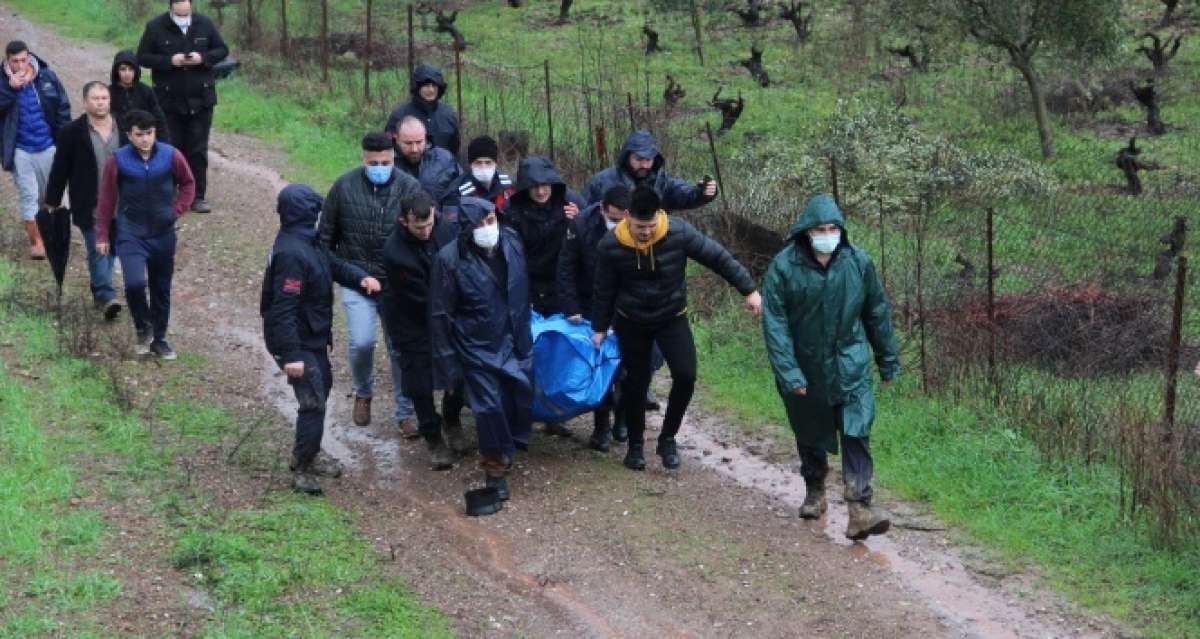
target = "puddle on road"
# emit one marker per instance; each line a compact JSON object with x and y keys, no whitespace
{"x":939,"y":576}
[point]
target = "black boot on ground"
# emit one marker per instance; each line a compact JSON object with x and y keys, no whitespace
{"x":814,"y":501}
{"x":635,"y":457}
{"x":620,"y":432}
{"x":669,"y":453}
{"x":499,"y":483}
{"x":601,"y":432}
{"x":440,"y":455}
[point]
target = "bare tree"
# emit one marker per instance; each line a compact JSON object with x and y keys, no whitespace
{"x":1129,"y":163}
{"x":917,"y":57}
{"x":674,"y":92}
{"x":1147,"y":96}
{"x":755,"y":66}
{"x":445,"y":24}
{"x":730,"y":108}
{"x":794,"y":12}
{"x":1169,"y":9}
{"x":1160,"y":52}
{"x":651,"y":39}
{"x":564,"y":10}
{"x":752,"y":15}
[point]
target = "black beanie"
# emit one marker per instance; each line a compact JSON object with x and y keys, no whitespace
{"x":482,"y":147}
{"x":645,"y":203}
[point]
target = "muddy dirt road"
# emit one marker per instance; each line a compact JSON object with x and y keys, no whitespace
{"x":585,"y":548}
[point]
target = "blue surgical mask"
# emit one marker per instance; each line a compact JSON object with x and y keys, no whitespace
{"x":379,"y":175}
{"x":826,"y":243}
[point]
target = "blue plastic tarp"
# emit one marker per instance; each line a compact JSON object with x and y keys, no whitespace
{"x":570,"y":376}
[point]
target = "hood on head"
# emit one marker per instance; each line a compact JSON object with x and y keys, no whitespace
{"x":821,"y":209}
{"x":535,"y":170}
{"x":299,"y":206}
{"x":474,"y":210}
{"x":125,"y":57}
{"x":641,"y":142}
{"x":426,"y":73}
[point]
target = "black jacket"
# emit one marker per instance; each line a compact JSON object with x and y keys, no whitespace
{"x":438,"y":173}
{"x":358,"y":217}
{"x":183,"y":90}
{"x":136,"y":97}
{"x":541,"y":228}
{"x":441,"y":122}
{"x":408,"y":263}
{"x":676,"y":194}
{"x":577,"y":261}
{"x":297,"y":289}
{"x":652,"y":288}
{"x":75,"y":169}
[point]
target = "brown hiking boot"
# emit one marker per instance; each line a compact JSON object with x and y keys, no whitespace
{"x":814,"y":502}
{"x":456,"y":437}
{"x":409,"y":429}
{"x":362,"y":411}
{"x":440,"y":457}
{"x":865,"y":521}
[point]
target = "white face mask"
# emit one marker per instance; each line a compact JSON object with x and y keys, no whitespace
{"x":826,"y":243}
{"x":610,"y":224}
{"x":486,"y":237}
{"x":484,"y":176}
{"x":181,"y":22}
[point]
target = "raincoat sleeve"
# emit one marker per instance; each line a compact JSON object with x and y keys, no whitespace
{"x":568,"y":264}
{"x":282,"y":317}
{"x":442,"y":300}
{"x":877,"y":320}
{"x":678,"y":194}
{"x":777,"y":333}
{"x":604,"y":292}
{"x":718,"y":259}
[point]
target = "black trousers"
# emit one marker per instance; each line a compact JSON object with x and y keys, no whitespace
{"x":312,"y":393}
{"x":674,"y":338}
{"x":428,"y":420}
{"x":189,"y":134}
{"x":416,"y":383}
{"x":857,"y":466}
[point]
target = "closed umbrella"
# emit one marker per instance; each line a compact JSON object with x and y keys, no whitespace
{"x":55,"y":227}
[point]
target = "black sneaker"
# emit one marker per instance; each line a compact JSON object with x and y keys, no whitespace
{"x":162,"y":349}
{"x":200,"y":206}
{"x":141,"y":343}
{"x":112,"y":308}
{"x":635,"y":458}
{"x":669,"y":453}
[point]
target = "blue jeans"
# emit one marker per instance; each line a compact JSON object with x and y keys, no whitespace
{"x":361,"y":314}
{"x":148,"y":261}
{"x":100,"y":268}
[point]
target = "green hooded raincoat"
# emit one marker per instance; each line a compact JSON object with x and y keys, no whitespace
{"x":817,"y":323}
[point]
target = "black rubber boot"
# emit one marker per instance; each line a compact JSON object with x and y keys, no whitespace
{"x":814,"y":500}
{"x":669,"y":453}
{"x":601,"y":431}
{"x":635,"y":457}
{"x":440,"y":455}
{"x":620,"y":432}
{"x":499,"y":483}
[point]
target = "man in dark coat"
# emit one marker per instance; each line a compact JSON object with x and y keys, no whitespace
{"x":539,"y":211}
{"x":434,"y":167}
{"x":483,"y":178}
{"x":83,"y":148}
{"x":129,"y":93}
{"x":408,"y":257}
{"x":825,"y":310}
{"x":33,"y":108}
{"x":479,"y":309}
{"x":180,"y":48}
{"x":640,"y":163}
{"x":576,"y":273}
{"x":641,"y":293}
{"x":297,"y":312}
{"x":428,"y":87}
{"x":358,"y":217}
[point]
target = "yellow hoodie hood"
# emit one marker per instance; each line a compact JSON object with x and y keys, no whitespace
{"x":625,"y":237}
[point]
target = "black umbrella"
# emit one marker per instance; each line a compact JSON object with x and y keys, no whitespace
{"x":55,"y":227}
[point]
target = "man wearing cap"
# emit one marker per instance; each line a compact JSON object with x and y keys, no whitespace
{"x":479,"y":313}
{"x":484,"y":178}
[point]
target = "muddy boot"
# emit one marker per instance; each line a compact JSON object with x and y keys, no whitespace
{"x":865,"y":521}
{"x":499,"y":483}
{"x":37,"y":250}
{"x":362,"y":411}
{"x":669,"y":453}
{"x":814,"y":501}
{"x":601,"y":431}
{"x":456,"y":437}
{"x":635,"y":457}
{"x":440,"y":457}
{"x":305,"y":480}
{"x":326,"y":465}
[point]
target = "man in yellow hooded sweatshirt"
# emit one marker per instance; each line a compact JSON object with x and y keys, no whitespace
{"x":641,"y":293}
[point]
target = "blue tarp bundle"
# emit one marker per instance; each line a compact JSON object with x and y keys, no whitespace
{"x":570,"y":377}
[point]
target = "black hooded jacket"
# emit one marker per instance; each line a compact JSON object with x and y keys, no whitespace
{"x":541,"y":227}
{"x":441,"y":122}
{"x":676,"y":194}
{"x":297,"y":287}
{"x":183,"y":90}
{"x":577,"y":261}
{"x":408,"y":262}
{"x":138,"y":97}
{"x":650,"y":288}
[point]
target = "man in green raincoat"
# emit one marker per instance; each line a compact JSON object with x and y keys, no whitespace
{"x":823,"y":304}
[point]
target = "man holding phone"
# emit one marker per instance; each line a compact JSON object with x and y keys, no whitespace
{"x":180,"y":48}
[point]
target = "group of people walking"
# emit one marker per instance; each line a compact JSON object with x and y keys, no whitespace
{"x":450,"y":263}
